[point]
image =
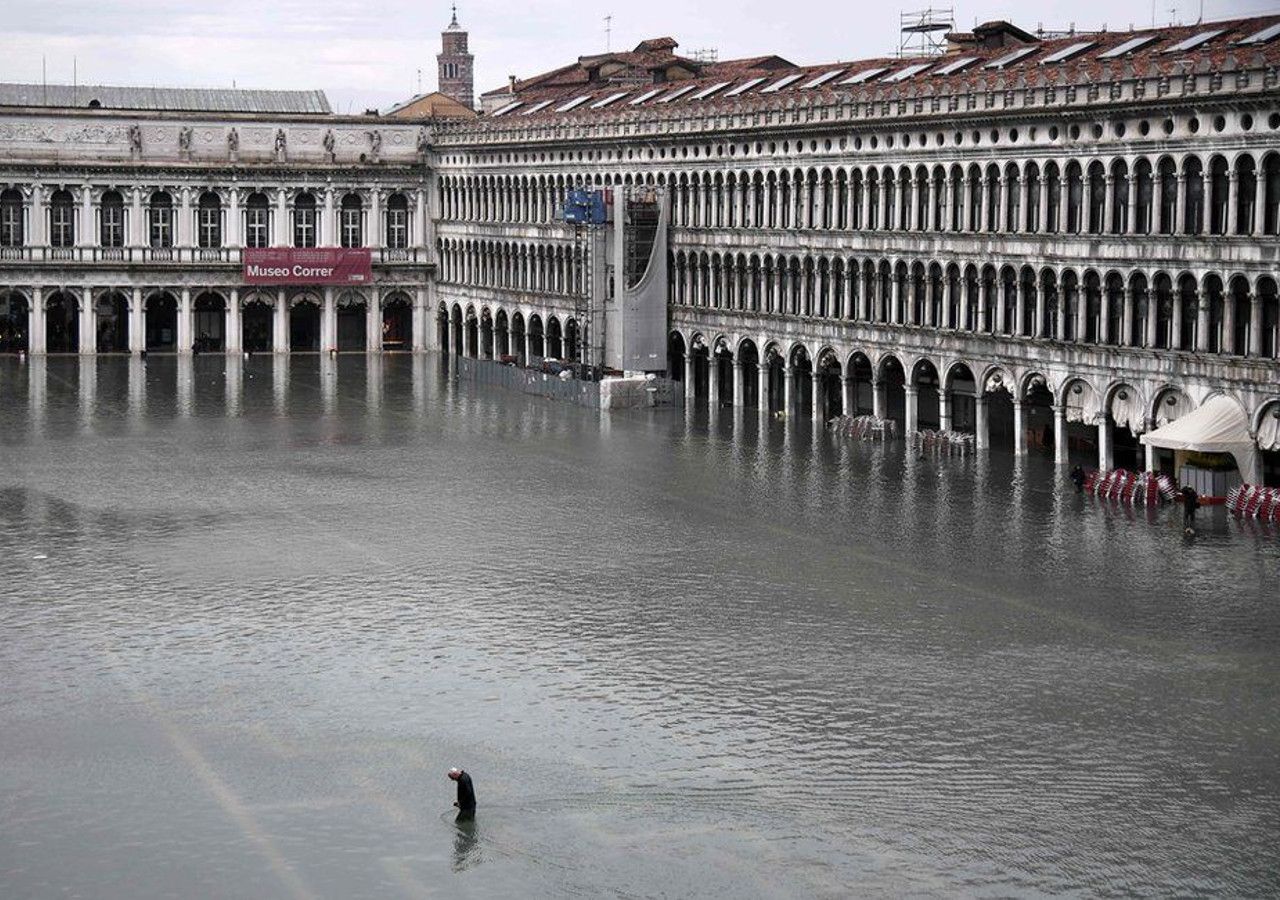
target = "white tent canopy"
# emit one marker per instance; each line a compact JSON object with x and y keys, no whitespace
{"x":1219,"y":426}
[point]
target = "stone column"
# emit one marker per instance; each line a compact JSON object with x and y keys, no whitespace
{"x":280,"y":327}
{"x":1104,"y":445}
{"x":1149,"y":462}
{"x":373,"y":323}
{"x":739,"y":383}
{"x":186,"y":220}
{"x":328,"y":321}
{"x":1255,"y":326}
{"x":1131,"y":227}
{"x":1019,"y":429}
{"x":1043,"y":224}
{"x":944,"y":409}
{"x":713,"y":381}
{"x":36,"y":340}
{"x":912,"y":409}
{"x":1202,"y":322}
{"x":815,"y":404}
{"x":283,"y":237}
{"x":137,"y":323}
{"x":1020,"y":310}
{"x":1180,"y":208}
{"x":1175,"y":338}
{"x":1082,"y":311}
{"x":420,"y":321}
{"x":1108,"y":204}
{"x":1059,"y":434}
{"x":327,"y":230}
{"x":1149,"y":339}
{"x":1104,"y":315}
{"x":762,"y":387}
{"x":1126,"y":318}
{"x":983,"y":297}
{"x":235,"y":328}
{"x":137,"y":222}
{"x":39,"y":225}
{"x":846,"y":395}
{"x":1228,"y":342}
{"x":982,"y":436}
{"x":895,"y":314}
{"x":1259,"y":204}
{"x":88,"y":320}
{"x":186,"y":321}
{"x":234,"y":225}
{"x":788,"y":390}
{"x":877,"y":398}
{"x":689,"y":386}
{"x":375,"y":237}
{"x":966,"y":214}
{"x":1064,"y":205}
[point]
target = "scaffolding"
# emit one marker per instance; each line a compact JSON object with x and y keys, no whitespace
{"x":923,"y":32}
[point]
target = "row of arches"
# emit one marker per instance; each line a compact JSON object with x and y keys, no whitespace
{"x":486,"y":332}
{"x":1213,"y":312}
{"x":1018,"y":409}
{"x":553,"y":269}
{"x":1172,"y":194}
{"x":216,"y":323}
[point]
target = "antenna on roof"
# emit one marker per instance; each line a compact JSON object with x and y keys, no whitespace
{"x":608,"y":34}
{"x":705,"y":55}
{"x":920,"y":31}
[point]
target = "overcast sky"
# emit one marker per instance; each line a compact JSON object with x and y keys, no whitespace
{"x":369,"y":54}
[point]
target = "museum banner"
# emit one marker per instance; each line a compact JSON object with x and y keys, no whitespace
{"x":309,"y":265}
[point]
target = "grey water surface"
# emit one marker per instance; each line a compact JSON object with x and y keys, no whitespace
{"x":251,"y":611}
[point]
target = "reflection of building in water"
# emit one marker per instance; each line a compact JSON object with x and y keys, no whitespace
{"x":1050,"y":243}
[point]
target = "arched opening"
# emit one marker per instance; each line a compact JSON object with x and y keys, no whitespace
{"x":996,"y":390}
{"x":472,"y":334}
{"x":304,"y":326}
{"x":571,"y":349}
{"x":111,"y":323}
{"x":209,"y":323}
{"x":501,"y":336}
{"x":537,"y":342}
{"x":1170,"y":405}
{"x":397,"y":324}
{"x":675,"y":356}
{"x":442,"y":328}
{"x":924,"y":380}
{"x":861,"y":375}
{"x":15,"y":318}
{"x":62,"y":323}
{"x":486,"y":334}
{"x":458,"y":328}
{"x":1037,"y":414}
{"x":518,"y":340}
{"x":830,"y":375}
{"x":801,"y":370}
{"x":893,"y":381}
{"x":1081,"y":409}
{"x":1125,"y":421}
{"x":352,"y":322}
{"x":1269,"y":443}
{"x":722,"y":363}
{"x":961,"y":390}
{"x":555,"y":345}
{"x":257,"y":326}
{"x":162,"y":323}
{"x":774,"y":380}
{"x":749,"y":366}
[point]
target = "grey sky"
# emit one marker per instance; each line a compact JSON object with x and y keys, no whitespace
{"x":368,"y":54}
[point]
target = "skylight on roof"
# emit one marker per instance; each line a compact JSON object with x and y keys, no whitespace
{"x":821,"y":79}
{"x":1261,"y":37}
{"x":781,"y":83}
{"x":574,"y":103}
{"x":904,"y":74}
{"x":1010,"y":58}
{"x":744,"y":87}
{"x":1067,"y":52}
{"x":506,"y":109}
{"x":541,"y":104}
{"x":1128,"y":46}
{"x":708,"y":91}
{"x":1194,"y":41}
{"x":956,"y":65}
{"x":865,"y":75}
{"x":647,"y":95}
{"x":677,"y":93}
{"x":601,"y":104}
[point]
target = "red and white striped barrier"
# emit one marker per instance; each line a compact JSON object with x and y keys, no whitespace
{"x":1133,"y":488}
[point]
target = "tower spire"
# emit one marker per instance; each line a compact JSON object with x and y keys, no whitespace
{"x":454,"y":22}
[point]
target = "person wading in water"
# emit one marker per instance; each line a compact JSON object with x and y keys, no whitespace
{"x":466,"y":801}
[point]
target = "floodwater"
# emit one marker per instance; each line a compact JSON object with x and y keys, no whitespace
{"x":252,"y":611}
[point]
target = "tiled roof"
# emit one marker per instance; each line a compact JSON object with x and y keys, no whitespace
{"x":158,"y":99}
{"x":1049,"y":61}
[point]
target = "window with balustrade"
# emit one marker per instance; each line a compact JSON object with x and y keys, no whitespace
{"x":111,"y":220}
{"x":257,"y":221}
{"x":304,"y":220}
{"x":397,"y":222}
{"x":209,"y":221}
{"x":11,"y":230}
{"x":160,"y":220}
{"x":62,"y":219}
{"x":352,"y":221}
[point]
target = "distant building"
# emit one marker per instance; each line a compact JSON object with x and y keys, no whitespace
{"x":456,"y":65}
{"x":433,"y":105}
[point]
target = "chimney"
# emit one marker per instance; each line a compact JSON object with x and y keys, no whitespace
{"x":512,"y":84}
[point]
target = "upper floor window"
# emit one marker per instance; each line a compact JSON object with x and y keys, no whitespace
{"x":352,"y":221}
{"x":209,"y":220}
{"x":11,"y":231}
{"x":62,"y":219}
{"x":397,"y":222}
{"x":111,"y":220}
{"x":257,"y":221}
{"x":304,"y":221}
{"x":160,"y":220}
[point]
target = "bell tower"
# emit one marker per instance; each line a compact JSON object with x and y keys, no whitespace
{"x":455,"y":64}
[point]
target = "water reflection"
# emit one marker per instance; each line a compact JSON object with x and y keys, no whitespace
{"x":759,"y":659}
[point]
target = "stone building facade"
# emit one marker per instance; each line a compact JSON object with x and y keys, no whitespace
{"x":1060,"y":242}
{"x":122,"y":229}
